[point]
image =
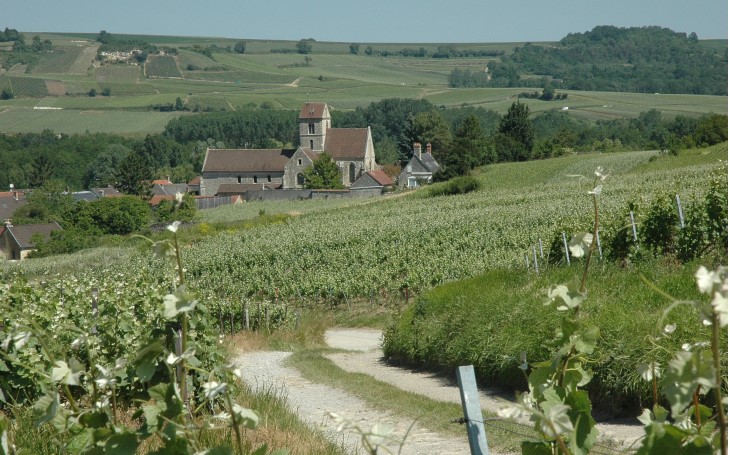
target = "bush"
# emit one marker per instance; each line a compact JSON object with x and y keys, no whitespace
{"x":457,"y":185}
{"x":659,"y":229}
{"x":115,"y":216}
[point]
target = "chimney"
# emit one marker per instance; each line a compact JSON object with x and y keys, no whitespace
{"x":417,"y":149}
{"x":428,"y":148}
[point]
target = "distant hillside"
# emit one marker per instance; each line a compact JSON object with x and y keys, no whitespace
{"x":637,"y":59}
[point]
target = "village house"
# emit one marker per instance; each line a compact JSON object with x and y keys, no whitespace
{"x":420,"y":169}
{"x":16,"y":242}
{"x":234,"y":171}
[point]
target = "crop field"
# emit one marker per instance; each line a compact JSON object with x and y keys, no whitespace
{"x":330,"y":74}
{"x":379,"y":247}
{"x":61,"y":60}
{"x":117,"y":73}
{"x":24,"y":86}
{"x":161,"y":66}
{"x":18,"y":120}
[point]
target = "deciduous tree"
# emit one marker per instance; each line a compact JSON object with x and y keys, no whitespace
{"x":323,"y":174}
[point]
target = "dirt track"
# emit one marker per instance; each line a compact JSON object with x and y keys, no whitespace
{"x":266,"y":370}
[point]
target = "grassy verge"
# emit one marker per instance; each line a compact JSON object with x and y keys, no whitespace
{"x":489,"y":320}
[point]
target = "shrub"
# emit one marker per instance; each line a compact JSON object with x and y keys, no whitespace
{"x":457,"y":185}
{"x":659,"y":229}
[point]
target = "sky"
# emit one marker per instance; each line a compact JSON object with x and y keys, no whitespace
{"x":366,"y":21}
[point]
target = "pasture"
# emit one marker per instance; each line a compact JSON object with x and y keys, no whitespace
{"x":286,"y":80}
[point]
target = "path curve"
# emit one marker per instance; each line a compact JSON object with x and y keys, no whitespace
{"x":367,"y":357}
{"x":265,"y":370}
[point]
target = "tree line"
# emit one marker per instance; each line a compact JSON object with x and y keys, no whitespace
{"x":461,"y":138}
{"x":607,"y":58}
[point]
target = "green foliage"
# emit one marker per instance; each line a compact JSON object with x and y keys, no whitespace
{"x":516,"y":125}
{"x":185,"y":211}
{"x":660,"y":225}
{"x":112,"y":215}
{"x":304,"y":46}
{"x":597,"y":60}
{"x":457,"y":185}
{"x":240,"y":47}
{"x":469,"y":150}
{"x":323,"y":174}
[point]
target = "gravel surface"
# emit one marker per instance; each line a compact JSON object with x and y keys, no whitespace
{"x":266,"y":370}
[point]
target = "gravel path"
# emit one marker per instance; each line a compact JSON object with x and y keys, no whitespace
{"x":266,"y":370}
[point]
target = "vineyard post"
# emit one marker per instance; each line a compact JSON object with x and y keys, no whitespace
{"x":472,"y":410}
{"x":266,"y":309}
{"x":95,"y":307}
{"x":633,"y":225}
{"x":565,"y":244}
{"x":181,"y":377}
{"x":680,"y":211}
{"x":527,"y":261}
{"x":598,"y":243}
{"x":542,"y":255}
{"x":247,"y":322}
{"x":534,"y":257}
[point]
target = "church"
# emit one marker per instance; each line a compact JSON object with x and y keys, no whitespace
{"x":231,"y":171}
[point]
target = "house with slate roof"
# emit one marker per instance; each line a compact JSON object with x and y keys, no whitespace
{"x":351,"y":148}
{"x":16,"y":241}
{"x":420,"y":169}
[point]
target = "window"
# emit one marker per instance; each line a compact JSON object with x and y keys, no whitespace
{"x":311,"y":128}
{"x":352,"y":172}
{"x":255,"y":179}
{"x":268,"y":178}
{"x":311,"y":144}
{"x":300,"y":179}
{"x":299,"y":162}
{"x":240,"y":179}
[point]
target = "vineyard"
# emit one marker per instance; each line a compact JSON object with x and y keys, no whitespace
{"x":161,"y":66}
{"x":24,"y":86}
{"x":117,"y":302}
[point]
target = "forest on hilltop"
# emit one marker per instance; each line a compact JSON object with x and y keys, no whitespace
{"x":607,"y":58}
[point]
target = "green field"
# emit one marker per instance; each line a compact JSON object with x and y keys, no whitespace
{"x":330,"y":74}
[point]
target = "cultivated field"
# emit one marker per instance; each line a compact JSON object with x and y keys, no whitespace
{"x":286,"y":80}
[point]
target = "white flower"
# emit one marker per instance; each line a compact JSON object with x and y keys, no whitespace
{"x":600,"y":174}
{"x":706,"y":280}
{"x":212,"y":389}
{"x":173,"y":227}
{"x":670,"y":328}
{"x":686,"y":347}
{"x":597,"y":190}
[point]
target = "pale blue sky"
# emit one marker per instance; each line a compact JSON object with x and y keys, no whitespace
{"x":367,"y":21}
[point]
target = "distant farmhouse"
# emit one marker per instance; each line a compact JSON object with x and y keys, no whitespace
{"x":234,"y":171}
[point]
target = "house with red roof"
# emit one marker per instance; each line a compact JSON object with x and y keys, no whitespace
{"x":374,"y":182}
{"x":236,"y":170}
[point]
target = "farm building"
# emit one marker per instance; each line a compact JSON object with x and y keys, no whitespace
{"x":351,"y":148}
{"x":420,"y":168}
{"x":374,"y":182}
{"x":17,"y":241}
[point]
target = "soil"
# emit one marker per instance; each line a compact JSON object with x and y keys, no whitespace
{"x":265,"y":370}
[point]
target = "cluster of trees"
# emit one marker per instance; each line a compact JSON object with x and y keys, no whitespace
{"x":446,"y":51}
{"x":111,"y":43}
{"x":22,"y":53}
{"x":636,"y":59}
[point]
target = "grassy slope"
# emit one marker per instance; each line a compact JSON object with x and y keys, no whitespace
{"x":333,"y":75}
